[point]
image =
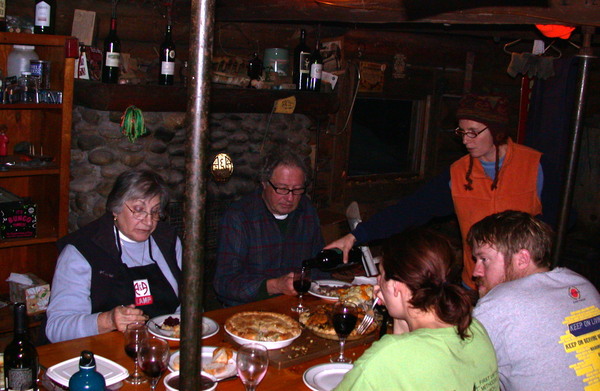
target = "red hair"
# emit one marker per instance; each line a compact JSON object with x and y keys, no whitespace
{"x":422,"y":259}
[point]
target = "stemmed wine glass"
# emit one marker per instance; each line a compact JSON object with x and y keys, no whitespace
{"x":135,"y":334}
{"x":153,"y":357}
{"x":252,"y":362}
{"x":343,"y":317}
{"x":301,"y":285}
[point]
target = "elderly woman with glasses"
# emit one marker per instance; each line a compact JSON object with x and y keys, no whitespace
{"x":122,"y":268}
{"x":496,"y":174}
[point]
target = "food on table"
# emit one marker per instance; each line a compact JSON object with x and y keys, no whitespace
{"x":219,"y":365}
{"x":317,"y":320}
{"x":172,"y":324}
{"x":356,"y":294}
{"x":263,"y":326}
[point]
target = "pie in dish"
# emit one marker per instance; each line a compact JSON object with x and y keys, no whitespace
{"x":263,"y":326}
{"x":317,"y":320}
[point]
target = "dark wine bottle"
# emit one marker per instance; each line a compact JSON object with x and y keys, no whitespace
{"x":45,"y":16}
{"x":112,"y":54}
{"x":87,"y":378}
{"x":20,"y":356}
{"x":332,"y":259}
{"x":167,"y":60}
{"x":316,"y":69}
{"x":301,"y":63}
{"x":3,"y":27}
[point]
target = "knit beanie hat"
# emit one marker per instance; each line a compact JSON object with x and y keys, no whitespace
{"x":489,"y":110}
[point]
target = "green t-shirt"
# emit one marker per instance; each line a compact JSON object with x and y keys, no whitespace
{"x":427,"y":360}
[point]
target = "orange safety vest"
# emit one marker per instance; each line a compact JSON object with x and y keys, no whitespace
{"x":516,"y":190}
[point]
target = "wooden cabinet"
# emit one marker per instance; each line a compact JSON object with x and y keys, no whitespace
{"x":46,"y":126}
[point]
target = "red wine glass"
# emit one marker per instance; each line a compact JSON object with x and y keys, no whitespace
{"x":301,"y":285}
{"x":135,"y":334}
{"x":153,"y":357}
{"x":344,"y":317}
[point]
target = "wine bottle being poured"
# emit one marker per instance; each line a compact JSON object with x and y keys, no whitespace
{"x":332,"y":259}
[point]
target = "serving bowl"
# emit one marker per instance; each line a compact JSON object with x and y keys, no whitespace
{"x":270,"y":345}
{"x":171,"y":381}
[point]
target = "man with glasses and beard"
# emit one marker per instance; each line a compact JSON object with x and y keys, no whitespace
{"x":266,"y":234}
{"x":544,"y":322}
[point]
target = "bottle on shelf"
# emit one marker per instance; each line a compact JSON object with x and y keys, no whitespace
{"x":332,"y":259}
{"x":301,"y":63}
{"x":87,"y":378}
{"x":255,"y":67}
{"x":316,"y":69}
{"x":20,"y":357}
{"x":167,"y":59}
{"x":45,"y":16}
{"x":112,"y":53}
{"x":3,"y":27}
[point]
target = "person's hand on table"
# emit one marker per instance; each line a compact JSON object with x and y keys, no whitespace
{"x":119,"y":317}
{"x":344,"y":243}
{"x":283,"y":285}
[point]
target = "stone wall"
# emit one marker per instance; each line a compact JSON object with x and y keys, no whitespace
{"x":100,"y":152}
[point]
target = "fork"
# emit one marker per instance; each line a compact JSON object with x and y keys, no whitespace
{"x":368,"y":319}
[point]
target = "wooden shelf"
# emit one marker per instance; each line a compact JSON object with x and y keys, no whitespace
{"x":19,"y":172}
{"x":31,"y":106}
{"x":117,"y":97}
{"x":33,"y":39}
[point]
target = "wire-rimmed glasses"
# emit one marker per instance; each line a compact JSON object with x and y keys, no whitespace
{"x":155,"y":215}
{"x":460,"y":132}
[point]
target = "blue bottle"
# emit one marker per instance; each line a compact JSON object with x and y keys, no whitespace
{"x":87,"y":378}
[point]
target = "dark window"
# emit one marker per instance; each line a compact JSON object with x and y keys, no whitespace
{"x":384,"y":137}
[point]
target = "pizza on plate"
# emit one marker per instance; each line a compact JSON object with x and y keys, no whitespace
{"x":263,"y":326}
{"x":356,"y":294}
{"x":317,"y":320}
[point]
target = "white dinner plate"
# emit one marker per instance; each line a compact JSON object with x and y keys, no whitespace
{"x":315,"y":285}
{"x":206,"y":358}
{"x":112,"y":372}
{"x":209,"y":327}
{"x":325,"y":377}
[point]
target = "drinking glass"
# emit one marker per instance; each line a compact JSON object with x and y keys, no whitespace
{"x":252,"y":362}
{"x":135,"y":334}
{"x":343,"y":317}
{"x":153,"y":357}
{"x":301,"y":285}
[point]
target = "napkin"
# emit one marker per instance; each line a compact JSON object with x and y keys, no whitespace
{"x":20,"y":279}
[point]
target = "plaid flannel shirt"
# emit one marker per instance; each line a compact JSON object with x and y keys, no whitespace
{"x":251,"y":248}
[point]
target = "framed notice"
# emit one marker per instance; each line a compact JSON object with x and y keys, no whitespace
{"x":371,"y":76}
{"x":333,"y":55}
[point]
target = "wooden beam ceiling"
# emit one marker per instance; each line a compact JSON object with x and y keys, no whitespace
{"x":570,"y":12}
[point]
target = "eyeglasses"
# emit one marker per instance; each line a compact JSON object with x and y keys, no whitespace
{"x":469,"y":133}
{"x":286,"y":191}
{"x":142,"y":214}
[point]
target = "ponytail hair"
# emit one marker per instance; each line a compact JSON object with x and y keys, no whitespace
{"x":423,"y":259}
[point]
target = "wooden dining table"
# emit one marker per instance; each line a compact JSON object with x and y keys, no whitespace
{"x":111,"y":346}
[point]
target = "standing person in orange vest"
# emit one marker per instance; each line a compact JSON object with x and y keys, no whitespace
{"x":496,"y":175}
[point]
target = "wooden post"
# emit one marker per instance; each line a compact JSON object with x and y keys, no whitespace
{"x":201,"y":43}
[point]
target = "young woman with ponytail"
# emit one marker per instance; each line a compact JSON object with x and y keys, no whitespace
{"x":436,"y":344}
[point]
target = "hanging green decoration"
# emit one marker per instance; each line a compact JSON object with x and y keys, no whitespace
{"x":132,"y":123}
